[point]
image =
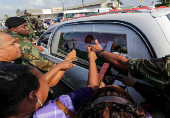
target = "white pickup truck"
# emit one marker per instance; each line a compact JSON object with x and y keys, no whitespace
{"x":143,"y":34}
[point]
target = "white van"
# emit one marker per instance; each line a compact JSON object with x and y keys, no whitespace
{"x":73,"y":14}
{"x":100,"y":10}
{"x":143,"y":35}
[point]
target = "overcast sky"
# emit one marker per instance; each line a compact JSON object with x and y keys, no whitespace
{"x":9,"y":7}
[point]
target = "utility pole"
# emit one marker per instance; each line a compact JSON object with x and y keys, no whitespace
{"x":142,"y":3}
{"x":63,"y":5}
{"x":83,"y":3}
{"x":118,"y":1}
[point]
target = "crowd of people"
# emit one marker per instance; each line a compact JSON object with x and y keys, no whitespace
{"x":24,"y":89}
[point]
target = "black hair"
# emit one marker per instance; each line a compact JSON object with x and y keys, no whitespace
{"x":111,"y":109}
{"x":89,"y":36}
{"x":38,"y":16}
{"x":112,"y":91}
{"x":16,"y":82}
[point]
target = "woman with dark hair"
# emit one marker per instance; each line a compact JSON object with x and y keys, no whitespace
{"x":111,"y":102}
{"x":24,"y":90}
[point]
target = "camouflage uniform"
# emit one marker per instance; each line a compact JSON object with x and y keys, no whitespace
{"x":30,"y":55}
{"x":155,"y":72}
{"x":31,"y":32}
{"x":39,"y":20}
{"x":31,"y":17}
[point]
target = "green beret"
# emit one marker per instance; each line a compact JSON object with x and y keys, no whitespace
{"x":14,"y":21}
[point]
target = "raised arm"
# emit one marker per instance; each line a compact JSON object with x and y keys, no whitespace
{"x":55,"y":74}
{"x":93,"y":80}
{"x":115,"y":59}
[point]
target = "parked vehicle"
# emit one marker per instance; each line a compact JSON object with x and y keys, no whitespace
{"x":141,"y":34}
{"x":100,"y":10}
{"x":73,"y":14}
{"x":44,"y":21}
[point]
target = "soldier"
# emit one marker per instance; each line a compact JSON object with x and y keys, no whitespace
{"x":155,"y":71}
{"x":10,"y":51}
{"x":17,"y":28}
{"x":28,"y":16}
{"x":38,"y":19}
{"x":32,"y":35}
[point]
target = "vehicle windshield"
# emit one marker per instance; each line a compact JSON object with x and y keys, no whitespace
{"x":59,"y":15}
{"x":69,"y":15}
{"x":91,"y":13}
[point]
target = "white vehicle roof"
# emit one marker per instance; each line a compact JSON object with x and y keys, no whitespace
{"x":160,"y":12}
{"x":154,"y":24}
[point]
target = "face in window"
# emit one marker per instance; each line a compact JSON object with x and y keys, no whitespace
{"x":119,"y":44}
{"x":89,"y":39}
{"x":120,"y":41}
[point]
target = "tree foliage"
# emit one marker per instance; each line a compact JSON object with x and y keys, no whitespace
{"x":6,"y":17}
{"x":163,"y":3}
{"x":17,"y":11}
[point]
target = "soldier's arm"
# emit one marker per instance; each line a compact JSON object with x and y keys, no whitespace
{"x":31,"y":55}
{"x":153,"y":71}
{"x":116,"y":60}
{"x":38,"y":47}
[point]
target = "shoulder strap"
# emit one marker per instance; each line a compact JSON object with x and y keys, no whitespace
{"x":65,"y":109}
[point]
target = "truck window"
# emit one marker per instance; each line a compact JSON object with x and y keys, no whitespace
{"x":113,"y":38}
{"x":43,"y":41}
{"x":59,"y":15}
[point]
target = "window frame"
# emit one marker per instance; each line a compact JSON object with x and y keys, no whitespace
{"x":112,"y":22}
{"x":48,"y":39}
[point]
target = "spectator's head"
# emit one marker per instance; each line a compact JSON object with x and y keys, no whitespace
{"x":23,"y":89}
{"x":89,"y":39}
{"x":118,"y":40}
{"x":17,"y":25}
{"x":9,"y":49}
{"x":111,"y":102}
{"x":39,"y":16}
{"x":119,"y":44}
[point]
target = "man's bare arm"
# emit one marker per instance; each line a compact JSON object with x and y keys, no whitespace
{"x":116,"y":60}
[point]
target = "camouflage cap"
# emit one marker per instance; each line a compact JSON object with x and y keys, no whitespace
{"x":14,"y":21}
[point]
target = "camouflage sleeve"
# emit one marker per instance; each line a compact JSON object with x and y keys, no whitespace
{"x":30,"y":55}
{"x":153,"y":71}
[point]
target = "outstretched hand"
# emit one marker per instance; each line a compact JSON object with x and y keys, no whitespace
{"x":71,"y":56}
{"x":128,"y":81}
{"x":96,"y":48}
{"x":40,"y":48}
{"x":65,"y":65}
{"x":91,"y":54}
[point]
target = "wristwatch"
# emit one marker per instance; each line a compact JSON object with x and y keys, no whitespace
{"x":101,"y":53}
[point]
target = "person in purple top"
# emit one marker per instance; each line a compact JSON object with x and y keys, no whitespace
{"x":23,"y":93}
